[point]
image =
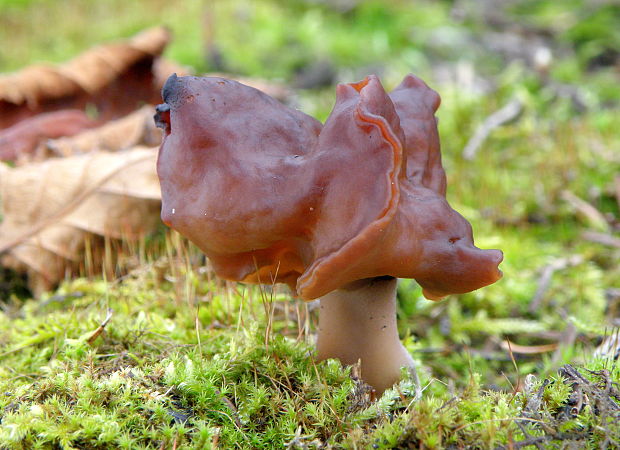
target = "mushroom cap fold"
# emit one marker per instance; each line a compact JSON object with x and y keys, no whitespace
{"x":271,"y":195}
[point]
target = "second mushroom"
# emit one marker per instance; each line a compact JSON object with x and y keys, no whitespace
{"x":337,"y":211}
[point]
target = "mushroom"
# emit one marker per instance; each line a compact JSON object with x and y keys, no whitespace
{"x":336,"y":211}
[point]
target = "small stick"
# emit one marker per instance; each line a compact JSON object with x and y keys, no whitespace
{"x":500,"y":117}
{"x":601,"y":238}
{"x":547,"y":273}
{"x":527,"y":349}
{"x":100,"y":328}
{"x":528,"y":437}
{"x":587,"y":211}
{"x":562,"y":436}
{"x":233,"y":409}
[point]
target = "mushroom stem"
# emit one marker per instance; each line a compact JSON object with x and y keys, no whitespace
{"x":358,"y":322}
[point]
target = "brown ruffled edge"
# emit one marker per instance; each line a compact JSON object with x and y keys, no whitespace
{"x":328,"y":272}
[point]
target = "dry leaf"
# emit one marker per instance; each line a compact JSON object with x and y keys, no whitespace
{"x":102,"y":77}
{"x":57,"y":211}
{"x":17,"y":143}
{"x":138,"y":128}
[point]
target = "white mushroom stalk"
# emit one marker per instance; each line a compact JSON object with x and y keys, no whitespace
{"x":358,"y":323}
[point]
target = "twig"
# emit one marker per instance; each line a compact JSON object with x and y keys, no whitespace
{"x":586,"y":210}
{"x":233,"y":409}
{"x":534,"y":401}
{"x":547,"y":274}
{"x":500,"y":117}
{"x":528,"y":436}
{"x":601,"y":238}
{"x":567,"y":436}
{"x":527,"y":349}
{"x":100,"y":328}
{"x":505,"y":419}
{"x":447,"y":403}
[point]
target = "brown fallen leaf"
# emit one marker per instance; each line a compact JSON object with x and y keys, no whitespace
{"x":137,"y":128}
{"x":102,"y":77}
{"x":57,"y":212}
{"x":17,"y":143}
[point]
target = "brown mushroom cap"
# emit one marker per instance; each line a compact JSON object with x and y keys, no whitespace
{"x":271,"y":195}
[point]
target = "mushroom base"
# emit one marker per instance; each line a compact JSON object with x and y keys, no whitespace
{"x":357,"y":323}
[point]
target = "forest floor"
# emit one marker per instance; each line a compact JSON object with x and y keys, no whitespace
{"x":166,"y":355}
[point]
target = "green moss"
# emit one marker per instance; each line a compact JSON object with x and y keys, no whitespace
{"x":189,"y":361}
{"x":147,"y":381}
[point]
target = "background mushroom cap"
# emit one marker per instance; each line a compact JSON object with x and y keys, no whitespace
{"x":271,"y":195}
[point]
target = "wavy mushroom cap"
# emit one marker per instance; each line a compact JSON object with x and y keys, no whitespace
{"x":271,"y":195}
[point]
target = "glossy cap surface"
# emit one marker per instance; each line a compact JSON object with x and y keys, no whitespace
{"x":272,"y":195}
